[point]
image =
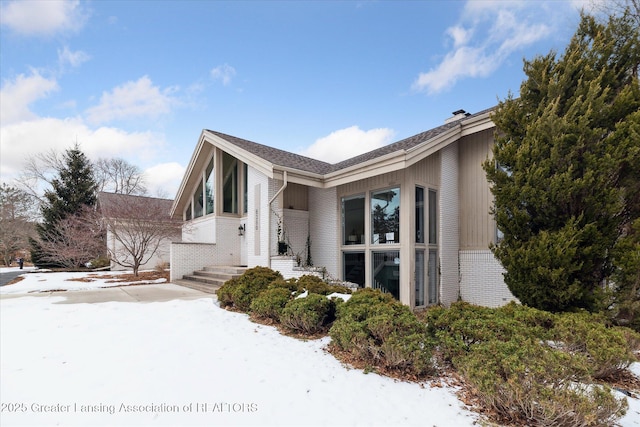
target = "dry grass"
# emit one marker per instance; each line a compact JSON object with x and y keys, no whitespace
{"x":142,"y":277}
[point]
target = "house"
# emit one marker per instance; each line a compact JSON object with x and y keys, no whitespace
{"x":411,"y":218}
{"x":139,"y":230}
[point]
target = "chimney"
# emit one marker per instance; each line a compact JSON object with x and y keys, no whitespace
{"x":457,"y":115}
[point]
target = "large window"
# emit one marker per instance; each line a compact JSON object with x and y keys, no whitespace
{"x":245,"y":189}
{"x":386,"y":272}
{"x":420,"y":275}
{"x":433,"y":215}
{"x":198,"y":201}
{"x":420,"y":231}
{"x":354,"y":266}
{"x":433,"y":277}
{"x":209,"y":185}
{"x":353,"y":220}
{"x":385,"y":216}
{"x":229,"y":184}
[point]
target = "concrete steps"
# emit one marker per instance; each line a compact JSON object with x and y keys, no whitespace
{"x":210,"y":279}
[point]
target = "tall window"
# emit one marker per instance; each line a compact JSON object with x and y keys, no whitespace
{"x":420,"y":231}
{"x":385,"y":216}
{"x":433,"y":215}
{"x":433,"y":277}
{"x":386,"y":272}
{"x":353,"y":263}
{"x":420,"y":275}
{"x":353,"y":220}
{"x":187,"y":213}
{"x":198,"y":201}
{"x":229,"y":183}
{"x":210,"y":188}
{"x":245,"y":189}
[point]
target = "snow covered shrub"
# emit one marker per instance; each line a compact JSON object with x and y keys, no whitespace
{"x":532,"y":384}
{"x":314,"y":284}
{"x":270,"y":303}
{"x":249,"y":285}
{"x":381,"y":331}
{"x":609,"y":350}
{"x":308,"y":315}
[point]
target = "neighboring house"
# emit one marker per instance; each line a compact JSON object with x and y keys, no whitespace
{"x":138,"y":226}
{"x":411,"y":218}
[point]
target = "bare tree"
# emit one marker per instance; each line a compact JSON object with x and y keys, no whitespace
{"x":38,"y":172}
{"x":136,"y":227}
{"x":76,"y":240}
{"x":116,"y":175}
{"x":17,"y":215}
{"x":618,"y":7}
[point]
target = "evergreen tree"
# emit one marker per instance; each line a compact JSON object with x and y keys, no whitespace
{"x":71,"y":192}
{"x":565,"y":173}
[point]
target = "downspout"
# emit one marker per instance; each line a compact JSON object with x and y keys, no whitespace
{"x":280,"y":190}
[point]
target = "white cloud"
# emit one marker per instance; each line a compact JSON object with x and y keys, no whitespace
{"x":74,"y":59}
{"x":164,"y":179}
{"x":16,"y":96}
{"x":500,"y":28}
{"x":42,"y":134}
{"x":43,"y":17}
{"x":460,"y":35}
{"x":139,"y":99}
{"x":346,"y":143}
{"x":223,"y":73}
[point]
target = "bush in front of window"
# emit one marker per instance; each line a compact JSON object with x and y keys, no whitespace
{"x":382,"y":332}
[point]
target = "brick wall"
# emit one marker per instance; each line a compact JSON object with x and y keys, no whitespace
{"x":448,"y":232}
{"x":201,"y":230}
{"x":257,"y":219}
{"x":297,"y":228}
{"x":187,"y":257}
{"x":288,"y":267}
{"x":324,"y":223}
{"x":481,"y":280}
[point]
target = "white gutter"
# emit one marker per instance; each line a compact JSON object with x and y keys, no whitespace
{"x":280,"y":190}
{"x":284,"y":185}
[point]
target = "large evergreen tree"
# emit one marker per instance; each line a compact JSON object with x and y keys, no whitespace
{"x":72,"y":191}
{"x":565,"y":172}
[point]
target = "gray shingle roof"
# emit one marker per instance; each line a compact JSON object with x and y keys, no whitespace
{"x":295,"y":161}
{"x":110,"y":202}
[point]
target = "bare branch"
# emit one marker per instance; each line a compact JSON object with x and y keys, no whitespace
{"x":119,"y":176}
{"x":138,"y":225}
{"x":76,"y":240}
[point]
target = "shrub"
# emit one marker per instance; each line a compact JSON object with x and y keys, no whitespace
{"x":381,"y":331}
{"x":308,"y":315}
{"x":290,"y":284}
{"x":314,"y":284}
{"x":224,"y":293}
{"x":241,"y":291}
{"x":464,"y":325}
{"x":609,"y":350}
{"x":270,"y":303}
{"x":525,"y":382}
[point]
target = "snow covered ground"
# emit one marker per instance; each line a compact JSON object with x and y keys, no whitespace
{"x":188,"y":362}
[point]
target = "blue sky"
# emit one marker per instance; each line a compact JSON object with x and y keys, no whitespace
{"x":141,"y":79}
